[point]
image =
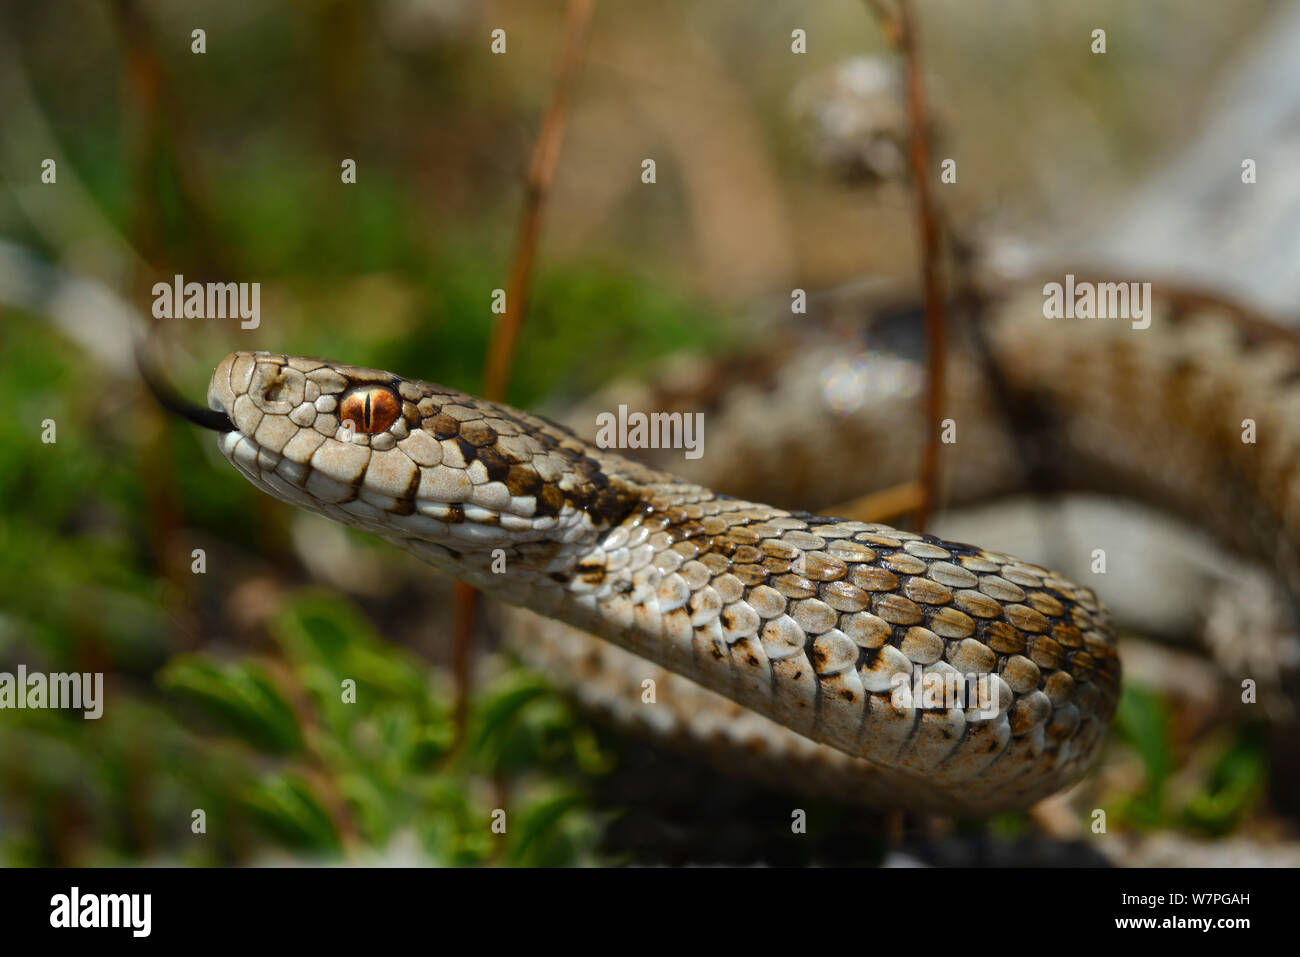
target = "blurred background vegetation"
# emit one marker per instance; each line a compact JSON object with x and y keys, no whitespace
{"x":222,"y":688}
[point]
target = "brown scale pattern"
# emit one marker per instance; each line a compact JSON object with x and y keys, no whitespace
{"x":807,"y":619}
{"x":1152,"y":414}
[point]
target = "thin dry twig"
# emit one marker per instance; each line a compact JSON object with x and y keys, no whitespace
{"x":889,"y":22}
{"x":887,"y":505}
{"x":165,"y":128}
{"x":162,"y":132}
{"x":901,"y":31}
{"x":505,"y":337}
{"x":541,"y":170}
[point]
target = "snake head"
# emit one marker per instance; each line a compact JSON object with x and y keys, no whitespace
{"x":453,"y":478}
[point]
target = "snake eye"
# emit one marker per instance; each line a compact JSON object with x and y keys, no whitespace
{"x":371,"y":409}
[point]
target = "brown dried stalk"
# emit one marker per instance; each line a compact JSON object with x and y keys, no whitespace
{"x":505,"y":337}
{"x":901,"y":31}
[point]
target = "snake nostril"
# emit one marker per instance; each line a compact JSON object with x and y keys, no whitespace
{"x":276,"y":389}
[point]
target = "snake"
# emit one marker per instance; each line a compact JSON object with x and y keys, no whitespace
{"x":809,"y":624}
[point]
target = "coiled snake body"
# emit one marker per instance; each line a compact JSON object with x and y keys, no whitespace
{"x":807,"y":620}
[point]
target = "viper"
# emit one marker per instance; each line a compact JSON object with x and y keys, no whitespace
{"x":813,"y":622}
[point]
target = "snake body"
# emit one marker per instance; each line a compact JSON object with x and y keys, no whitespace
{"x":806,"y":620}
{"x":1150,"y":415}
{"x":810,"y":621}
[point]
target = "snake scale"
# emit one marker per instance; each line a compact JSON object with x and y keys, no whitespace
{"x":808,"y":620}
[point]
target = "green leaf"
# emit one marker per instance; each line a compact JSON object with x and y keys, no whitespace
{"x":321,"y":629}
{"x":241,"y":697}
{"x":286,"y":806}
{"x":501,"y":709}
{"x":540,"y":840}
{"x":1235,"y":782}
{"x":1142,"y":721}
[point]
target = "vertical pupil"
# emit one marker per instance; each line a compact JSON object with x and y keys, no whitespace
{"x":371,"y":410}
